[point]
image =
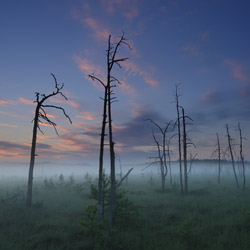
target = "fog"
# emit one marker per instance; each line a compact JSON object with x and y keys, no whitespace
{"x":43,"y":170}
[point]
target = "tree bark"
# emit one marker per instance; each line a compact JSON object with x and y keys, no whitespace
{"x":185,"y":152}
{"x":32,"y":158}
{"x":179,"y":137}
{"x":100,"y":179}
{"x":232,"y":157}
{"x":242,"y":159}
{"x":219,"y":157}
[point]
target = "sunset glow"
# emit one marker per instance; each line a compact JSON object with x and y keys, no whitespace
{"x":203,"y":45}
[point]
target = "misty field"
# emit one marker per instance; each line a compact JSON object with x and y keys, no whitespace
{"x":211,"y":216}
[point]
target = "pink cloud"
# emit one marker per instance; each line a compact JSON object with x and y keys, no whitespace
{"x":2,"y":102}
{"x":134,"y":69}
{"x":131,"y":13}
{"x":26,"y":101}
{"x":8,"y":125}
{"x":100,"y":32}
{"x":208,"y":96}
{"x":61,"y":100}
{"x":238,"y":70}
{"x":86,"y":115}
{"x":88,"y":67}
{"x":52,"y":116}
{"x":8,"y":102}
{"x":127,"y":88}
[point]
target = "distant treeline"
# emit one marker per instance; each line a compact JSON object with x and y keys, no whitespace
{"x":211,"y":161}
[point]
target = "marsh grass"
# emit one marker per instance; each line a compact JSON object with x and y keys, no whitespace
{"x":211,"y":217}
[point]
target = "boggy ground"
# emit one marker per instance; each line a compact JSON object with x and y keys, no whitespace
{"x":210,"y":217}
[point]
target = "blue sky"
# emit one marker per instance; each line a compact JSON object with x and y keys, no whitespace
{"x":203,"y":45}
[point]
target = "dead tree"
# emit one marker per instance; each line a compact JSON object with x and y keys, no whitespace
{"x":219,"y":157}
{"x":185,"y":144}
{"x":163,"y":150}
{"x":169,"y":151}
{"x":42,"y":117}
{"x":219,"y":152}
{"x":179,"y":134}
{"x":107,"y":118}
{"x":242,"y":159}
{"x":230,"y":148}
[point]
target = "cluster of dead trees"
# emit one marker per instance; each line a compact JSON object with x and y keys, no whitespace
{"x":230,"y":152}
{"x":178,"y":128}
{"x":108,"y":99}
{"x":163,"y":159}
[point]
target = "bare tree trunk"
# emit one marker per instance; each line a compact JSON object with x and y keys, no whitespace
{"x":179,"y":135}
{"x":219,"y":157}
{"x":242,"y":159}
{"x":100,"y":179}
{"x":232,"y":157}
{"x":185,"y":152}
{"x":111,"y":142}
{"x":32,"y":158}
{"x":170,"y":168}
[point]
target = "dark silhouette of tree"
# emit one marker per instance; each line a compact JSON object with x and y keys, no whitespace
{"x":230,"y":148}
{"x":219,"y":152}
{"x":185,"y":144}
{"x":163,"y":151}
{"x":179,"y":133}
{"x":108,"y":99}
{"x":242,"y":158}
{"x":219,"y":157}
{"x":41,"y":116}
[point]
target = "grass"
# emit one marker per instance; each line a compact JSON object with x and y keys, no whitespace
{"x":210,"y":217}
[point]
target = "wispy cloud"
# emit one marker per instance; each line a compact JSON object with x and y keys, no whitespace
{"x":26,"y":101}
{"x":13,"y":115}
{"x":237,"y":70}
{"x":2,"y":102}
{"x":88,"y":67}
{"x":128,"y":8}
{"x":127,"y":88}
{"x":7,"y":102}
{"x":100,"y":31}
{"x":211,"y":97}
{"x":8,"y":125}
{"x":134,"y":69}
{"x":61,"y":100}
{"x":86,"y":115}
{"x":131,"y":13}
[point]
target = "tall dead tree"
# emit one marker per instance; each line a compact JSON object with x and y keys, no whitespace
{"x":185,"y":144}
{"x":230,"y":148}
{"x":219,"y":157}
{"x":107,"y":118}
{"x":179,"y":134}
{"x":242,"y":159}
{"x":163,"y":150}
{"x":41,"y":115}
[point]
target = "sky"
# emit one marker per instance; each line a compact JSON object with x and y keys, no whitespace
{"x":201,"y":45}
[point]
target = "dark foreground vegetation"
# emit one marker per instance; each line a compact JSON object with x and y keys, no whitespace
{"x":63,"y":213}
